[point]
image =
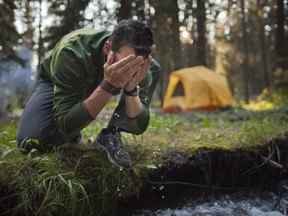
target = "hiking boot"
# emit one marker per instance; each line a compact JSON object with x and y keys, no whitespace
{"x":110,"y":142}
{"x":27,"y":144}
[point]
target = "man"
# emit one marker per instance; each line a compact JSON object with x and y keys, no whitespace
{"x":81,"y":74}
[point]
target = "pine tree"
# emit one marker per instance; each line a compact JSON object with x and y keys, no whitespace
{"x":138,"y":10}
{"x":165,"y":25}
{"x":201,"y":41}
{"x":245,"y":71}
{"x":281,"y":44}
{"x":69,"y":16}
{"x":124,"y":10}
{"x":131,"y":9}
{"x":9,"y":35}
{"x":28,"y":18}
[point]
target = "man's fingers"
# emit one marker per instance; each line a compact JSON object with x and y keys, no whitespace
{"x":128,"y":69}
{"x":111,"y":58}
{"x":123,"y":61}
{"x":131,"y":67}
{"x":133,"y":64}
{"x":142,"y":71}
{"x":139,"y":74}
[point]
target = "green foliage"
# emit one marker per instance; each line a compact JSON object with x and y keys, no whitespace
{"x":166,"y":122}
{"x":279,"y":97}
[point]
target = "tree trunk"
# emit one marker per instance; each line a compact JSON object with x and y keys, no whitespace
{"x":125,"y":10}
{"x":165,"y":25}
{"x":68,"y":20}
{"x":201,"y":42}
{"x":263,"y":45}
{"x":139,"y":10}
{"x":280,"y":34}
{"x":28,"y":34}
{"x":40,"y":51}
{"x":9,"y":35}
{"x":245,"y":72}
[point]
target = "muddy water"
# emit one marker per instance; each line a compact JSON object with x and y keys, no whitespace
{"x":260,"y":204}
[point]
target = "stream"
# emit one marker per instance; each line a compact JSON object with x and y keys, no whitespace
{"x":237,"y":204}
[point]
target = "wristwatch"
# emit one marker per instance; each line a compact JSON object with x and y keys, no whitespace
{"x":108,"y":87}
{"x":134,"y":92}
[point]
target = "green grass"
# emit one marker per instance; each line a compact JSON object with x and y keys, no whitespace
{"x":76,"y":182}
{"x":58,"y":183}
{"x":187,"y":133}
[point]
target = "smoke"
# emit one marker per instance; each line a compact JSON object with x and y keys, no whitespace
{"x":16,"y":80}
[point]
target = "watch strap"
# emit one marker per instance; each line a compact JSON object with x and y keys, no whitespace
{"x":108,"y":87}
{"x":133,"y":92}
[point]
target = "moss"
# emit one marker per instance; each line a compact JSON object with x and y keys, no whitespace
{"x":80,"y":182}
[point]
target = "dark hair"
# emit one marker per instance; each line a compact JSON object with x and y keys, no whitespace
{"x":134,"y":34}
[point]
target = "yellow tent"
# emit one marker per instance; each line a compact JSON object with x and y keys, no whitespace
{"x":202,"y":89}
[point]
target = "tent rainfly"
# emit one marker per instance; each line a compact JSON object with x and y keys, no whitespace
{"x":202,"y":89}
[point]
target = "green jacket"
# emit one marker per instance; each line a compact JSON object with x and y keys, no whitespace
{"x":75,"y":67}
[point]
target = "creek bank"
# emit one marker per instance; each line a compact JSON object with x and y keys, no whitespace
{"x":212,"y":171}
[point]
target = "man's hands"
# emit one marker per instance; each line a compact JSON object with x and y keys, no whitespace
{"x":126,"y":73}
{"x":134,"y":105}
{"x":120,"y":73}
{"x":139,"y":75}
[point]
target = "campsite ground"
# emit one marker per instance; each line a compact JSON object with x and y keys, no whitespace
{"x":192,"y":148}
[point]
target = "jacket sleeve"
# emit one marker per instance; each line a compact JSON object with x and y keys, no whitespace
{"x":140,"y":123}
{"x":69,"y":90}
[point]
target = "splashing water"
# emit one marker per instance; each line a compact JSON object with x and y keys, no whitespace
{"x":268,"y":204}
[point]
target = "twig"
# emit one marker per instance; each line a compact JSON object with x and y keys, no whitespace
{"x":273,"y":163}
{"x":193,"y":185}
{"x":258,"y":166}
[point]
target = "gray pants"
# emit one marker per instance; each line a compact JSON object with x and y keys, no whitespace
{"x":37,"y":121}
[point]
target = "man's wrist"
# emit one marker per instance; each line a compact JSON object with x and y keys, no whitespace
{"x":96,"y":101}
{"x":108,"y":87}
{"x":134,"y":92}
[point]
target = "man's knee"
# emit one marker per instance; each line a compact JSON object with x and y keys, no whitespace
{"x":45,"y":140}
{"x":37,"y":124}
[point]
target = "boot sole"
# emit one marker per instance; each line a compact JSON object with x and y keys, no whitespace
{"x":103,"y":149}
